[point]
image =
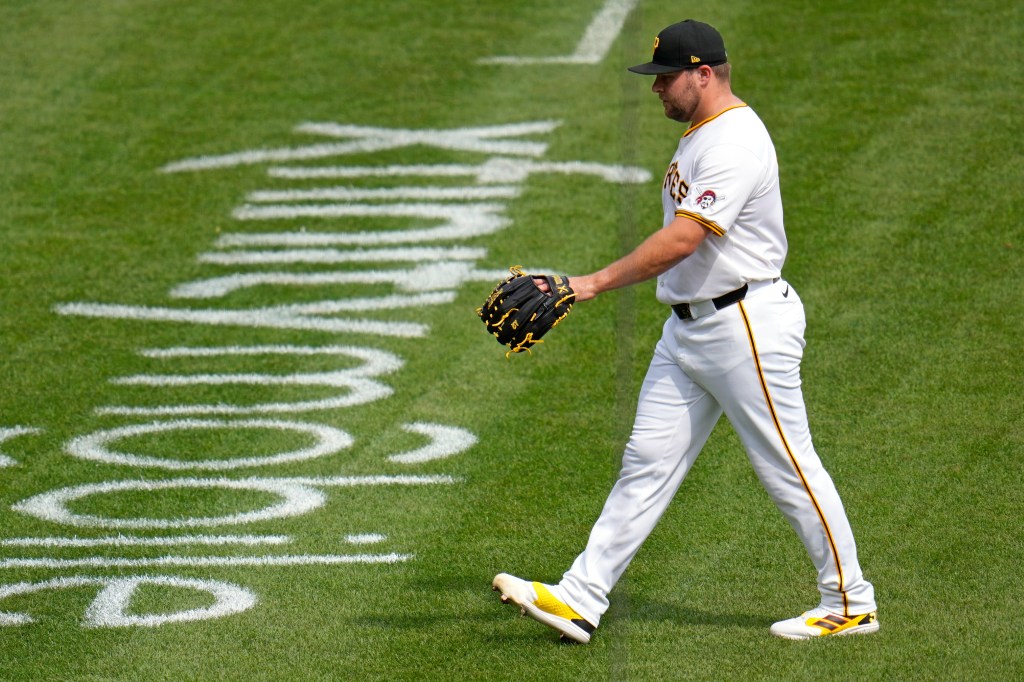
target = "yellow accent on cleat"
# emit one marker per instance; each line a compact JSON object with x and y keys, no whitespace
{"x":821,"y":622}
{"x":834,"y":624}
{"x":538,"y":602}
{"x":547,"y":602}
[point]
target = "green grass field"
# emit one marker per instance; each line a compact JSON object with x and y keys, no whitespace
{"x":419,"y":461}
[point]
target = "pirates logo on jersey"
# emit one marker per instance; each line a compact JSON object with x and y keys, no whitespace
{"x":706,"y":200}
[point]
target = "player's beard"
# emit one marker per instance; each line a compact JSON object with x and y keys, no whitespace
{"x":681,"y":104}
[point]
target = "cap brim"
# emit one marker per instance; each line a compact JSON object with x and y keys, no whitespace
{"x":652,"y":69}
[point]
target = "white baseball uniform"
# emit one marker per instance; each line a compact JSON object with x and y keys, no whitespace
{"x":741,"y":358}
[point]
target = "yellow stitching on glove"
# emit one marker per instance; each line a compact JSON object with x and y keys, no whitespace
{"x":501,"y":322}
{"x":564,"y":315}
{"x":522,"y":345}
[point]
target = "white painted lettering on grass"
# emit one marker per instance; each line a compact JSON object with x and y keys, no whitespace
{"x":295,"y":500}
{"x":360,"y":391}
{"x":96,"y":446}
{"x":407,"y":254}
{"x":426,"y":277}
{"x":259,"y":318}
{"x":368,"y":139}
{"x":375,"y":361}
{"x":496,"y":170}
{"x":445,"y":442}
{"x":8,"y":432}
{"x":298,"y":496}
{"x":593,"y":46}
{"x":462,"y":221}
{"x":391,"y":302}
{"x":208,"y":561}
{"x":386,"y":193}
{"x":137,"y":541}
{"x":112,"y":605}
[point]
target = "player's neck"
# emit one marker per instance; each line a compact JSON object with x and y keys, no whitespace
{"x":715,"y":104}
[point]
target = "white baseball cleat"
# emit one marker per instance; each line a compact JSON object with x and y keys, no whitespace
{"x":538,"y":601}
{"x":821,"y":622}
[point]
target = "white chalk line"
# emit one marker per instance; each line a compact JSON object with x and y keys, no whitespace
{"x":298,"y":496}
{"x":347,"y":305}
{"x":360,"y":481}
{"x":376,"y":362}
{"x":388,"y":193}
{"x":255,"y":318}
{"x":413,"y":136}
{"x":332,"y":256}
{"x":177,"y":540}
{"x":421,"y":210}
{"x":593,"y":46}
{"x":367,"y":139}
{"x":112,"y":603}
{"x":287,"y":211}
{"x":96,"y":446}
{"x":461,"y":222}
{"x":360,"y":391}
{"x":135,"y":541}
{"x":496,"y":170}
{"x":442,"y":277}
{"x":209,"y":561}
{"x":391,"y":302}
{"x":445,"y":442}
{"x":6,"y":433}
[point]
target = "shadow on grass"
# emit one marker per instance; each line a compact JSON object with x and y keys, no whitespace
{"x":685,"y":615}
{"x":464,"y":601}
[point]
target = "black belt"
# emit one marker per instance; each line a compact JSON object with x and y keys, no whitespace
{"x":682,"y":310}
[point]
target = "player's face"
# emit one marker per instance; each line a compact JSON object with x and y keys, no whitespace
{"x":679,"y":94}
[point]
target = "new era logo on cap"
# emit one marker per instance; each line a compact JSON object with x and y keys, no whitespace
{"x":683,"y":46}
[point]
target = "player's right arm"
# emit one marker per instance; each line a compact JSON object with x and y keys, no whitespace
{"x":656,"y":254}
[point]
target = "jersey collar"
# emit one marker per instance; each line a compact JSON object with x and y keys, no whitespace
{"x":694,"y":127}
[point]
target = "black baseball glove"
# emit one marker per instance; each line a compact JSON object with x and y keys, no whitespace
{"x":519,"y":314}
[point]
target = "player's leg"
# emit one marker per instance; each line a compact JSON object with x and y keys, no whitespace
{"x":674,"y":418}
{"x":763,"y":400}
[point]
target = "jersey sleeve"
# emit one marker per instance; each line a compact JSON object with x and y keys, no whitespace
{"x":725,"y":177}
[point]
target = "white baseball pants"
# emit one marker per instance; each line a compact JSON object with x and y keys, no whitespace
{"x":743,"y":360}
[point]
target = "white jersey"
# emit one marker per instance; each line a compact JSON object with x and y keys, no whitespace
{"x":725,"y":176}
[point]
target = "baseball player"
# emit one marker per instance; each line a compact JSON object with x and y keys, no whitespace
{"x":732,"y":344}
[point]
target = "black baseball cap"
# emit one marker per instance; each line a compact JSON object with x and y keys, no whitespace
{"x":685,"y":45}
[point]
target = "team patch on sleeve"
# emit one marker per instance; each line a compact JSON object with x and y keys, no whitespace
{"x":698,"y":218}
{"x":706,"y":200}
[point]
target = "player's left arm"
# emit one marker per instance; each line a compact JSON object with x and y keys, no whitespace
{"x":653,"y":256}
